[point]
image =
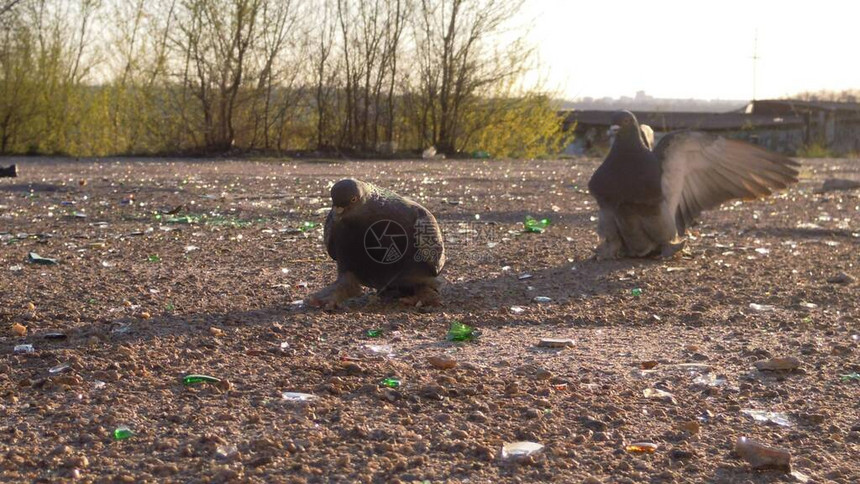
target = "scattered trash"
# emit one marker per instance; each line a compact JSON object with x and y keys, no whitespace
{"x":19,"y":329}
{"x":520,"y":450}
{"x":37,"y":259}
{"x":308,"y":226}
{"x":194,"y":379}
{"x":850,"y":376}
{"x":777,"y":364}
{"x":297,"y":396}
{"x":55,"y":336}
{"x":380,"y":350}
{"x":542,"y":299}
{"x":556,"y":342}
{"x":761,"y":456}
{"x":761,"y":307}
{"x":766,"y":416}
{"x":641,"y":447}
{"x":16,"y":268}
{"x":536,"y":226}
{"x":154,"y":258}
{"x":517,"y":309}
{"x":59,"y":368}
{"x":23,"y":349}
{"x":122,"y":433}
{"x":191,"y":248}
{"x":461,"y":332}
{"x":390,"y":382}
{"x":373,"y":333}
{"x":226,"y":451}
{"x":442,"y":362}
{"x":185,"y":219}
{"x":709,"y":380}
{"x":636,"y":292}
{"x":523,"y":277}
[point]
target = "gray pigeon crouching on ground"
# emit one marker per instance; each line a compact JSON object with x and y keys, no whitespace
{"x":647,"y":199}
{"x":380,"y":240}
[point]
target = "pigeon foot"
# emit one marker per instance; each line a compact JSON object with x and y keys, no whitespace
{"x":671,"y":249}
{"x":345,"y":287}
{"x":424,"y":296}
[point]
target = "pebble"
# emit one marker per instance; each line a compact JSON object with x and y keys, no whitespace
{"x":691,"y":427}
{"x":678,"y":454}
{"x":649,"y":364}
{"x":761,"y":456}
{"x":777,"y":364}
{"x":442,"y":362}
{"x":661,"y":395}
{"x":19,"y":329}
{"x":841,"y":278}
{"x":556,"y":342}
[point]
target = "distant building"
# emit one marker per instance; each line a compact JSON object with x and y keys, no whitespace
{"x":832,"y":125}
{"x":779,"y":125}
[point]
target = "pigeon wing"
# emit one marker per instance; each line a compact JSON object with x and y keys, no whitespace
{"x":701,"y":171}
{"x":328,"y":239}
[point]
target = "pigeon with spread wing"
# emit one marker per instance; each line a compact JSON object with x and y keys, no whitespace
{"x":647,"y":199}
{"x":380,"y":240}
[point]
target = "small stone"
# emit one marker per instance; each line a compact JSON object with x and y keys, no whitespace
{"x":593,"y":424}
{"x":19,"y":329}
{"x":216,"y":332}
{"x":692,"y":348}
{"x":478,"y":416}
{"x":649,"y":364}
{"x":520,"y":450}
{"x":543,"y":374}
{"x":533,"y":413}
{"x":661,"y":395}
{"x":841,"y":278}
{"x":761,"y":456}
{"x":591,"y":480}
{"x":678,"y":454}
{"x":556,"y":342}
{"x":145,"y":315}
{"x":777,"y":364}
{"x":512,"y":388}
{"x":432,"y":392}
{"x":692,"y":427}
{"x":442,"y":362}
{"x":353,"y":368}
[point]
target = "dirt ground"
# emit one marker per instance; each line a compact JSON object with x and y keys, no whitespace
{"x":140,"y":303}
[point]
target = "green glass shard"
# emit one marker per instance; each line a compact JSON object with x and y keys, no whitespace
{"x":122,"y":433}
{"x":461,"y":332}
{"x":194,"y":379}
{"x":534,"y":225}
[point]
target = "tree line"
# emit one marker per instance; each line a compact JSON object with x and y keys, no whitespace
{"x":96,"y":77}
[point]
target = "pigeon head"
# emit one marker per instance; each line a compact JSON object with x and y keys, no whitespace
{"x":624,"y":124}
{"x":348,"y":194}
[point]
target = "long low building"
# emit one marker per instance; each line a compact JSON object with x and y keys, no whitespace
{"x":779,"y":125}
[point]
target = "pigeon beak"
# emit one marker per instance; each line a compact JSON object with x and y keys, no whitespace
{"x":338,"y":210}
{"x":614,"y":128}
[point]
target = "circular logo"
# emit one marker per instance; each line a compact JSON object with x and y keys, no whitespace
{"x":386,"y":241}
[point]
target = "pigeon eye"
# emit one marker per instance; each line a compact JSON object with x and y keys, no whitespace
{"x":354,"y":199}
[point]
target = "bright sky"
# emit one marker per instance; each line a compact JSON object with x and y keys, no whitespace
{"x":696,"y":49}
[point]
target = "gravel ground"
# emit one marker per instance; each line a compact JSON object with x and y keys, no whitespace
{"x":140,"y":302}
